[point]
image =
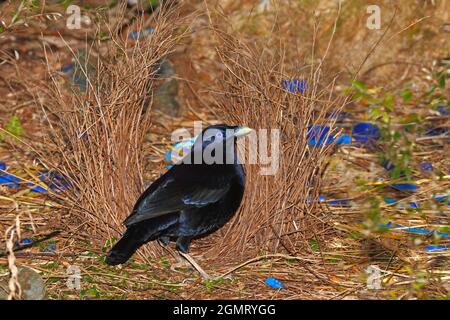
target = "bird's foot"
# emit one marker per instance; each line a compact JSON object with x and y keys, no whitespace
{"x":181,"y":264}
{"x":164,"y":241}
{"x":195,"y":265}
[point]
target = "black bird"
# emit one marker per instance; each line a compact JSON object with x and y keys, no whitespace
{"x":196,"y":197}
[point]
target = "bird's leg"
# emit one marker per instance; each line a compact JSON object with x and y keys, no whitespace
{"x":164,"y":241}
{"x":195,"y":265}
{"x":181,"y":263}
{"x":183,"y":247}
{"x":183,"y":243}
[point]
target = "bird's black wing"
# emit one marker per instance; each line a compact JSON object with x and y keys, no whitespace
{"x":167,"y":195}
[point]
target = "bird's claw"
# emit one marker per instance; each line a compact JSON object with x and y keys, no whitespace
{"x":181,"y":265}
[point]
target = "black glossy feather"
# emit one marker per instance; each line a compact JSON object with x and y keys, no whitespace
{"x":184,"y":187}
{"x":187,"y":202}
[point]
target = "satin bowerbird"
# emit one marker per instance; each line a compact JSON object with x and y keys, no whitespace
{"x":196,"y":197}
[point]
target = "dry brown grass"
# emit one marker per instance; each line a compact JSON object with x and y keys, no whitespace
{"x":279,"y":212}
{"x":332,"y":270}
{"x":99,"y":132}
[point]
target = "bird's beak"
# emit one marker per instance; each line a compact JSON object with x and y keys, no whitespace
{"x":242,"y":131}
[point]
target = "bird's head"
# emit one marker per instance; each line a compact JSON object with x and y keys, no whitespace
{"x":220,"y":133}
{"x":220,"y":137}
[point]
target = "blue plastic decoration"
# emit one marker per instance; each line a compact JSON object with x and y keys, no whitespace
{"x":50,"y":248}
{"x":387,"y":165}
{"x":332,"y":202}
{"x":339,"y":202}
{"x":178,"y":151}
{"x":53,"y":180}
{"x":437,"y":131}
{"x":339,"y":116}
{"x":416,"y":230}
{"x":26,"y":241}
{"x":442,"y":197}
{"x":134,"y":35}
{"x":321,"y":199}
{"x":437,"y":248}
{"x":38,"y":189}
{"x":443,"y":110}
{"x":319,"y":135}
{"x":294,"y":85}
{"x":427,"y":166}
{"x":405,"y":186}
{"x":389,"y":200}
{"x":67,"y":68}
{"x":344,"y":139}
{"x":365,"y":132}
{"x":7,"y":179}
{"x":274,"y":283}
{"x":414,"y":205}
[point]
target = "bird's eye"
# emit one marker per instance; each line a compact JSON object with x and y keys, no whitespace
{"x":219,"y":135}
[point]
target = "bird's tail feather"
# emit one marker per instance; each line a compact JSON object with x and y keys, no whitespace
{"x":133,"y":238}
{"x":137,"y":235}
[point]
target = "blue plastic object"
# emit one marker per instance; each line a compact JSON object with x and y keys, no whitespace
{"x":321,"y":199}
{"x":67,"y":68}
{"x":294,"y":85}
{"x":388,"y":165}
{"x":26,"y":241}
{"x":427,"y":166}
{"x":437,"y":131}
{"x":53,"y":180}
{"x":389,"y":200}
{"x":50,"y":248}
{"x":414,"y":205}
{"x":332,"y":202}
{"x":134,"y":35}
{"x":319,"y":135}
{"x":437,"y":247}
{"x":38,"y":189}
{"x":179,"y":150}
{"x":442,"y":197}
{"x":274,"y":283}
{"x":339,"y":202}
{"x":443,"y":110}
{"x":8,"y":179}
{"x":416,"y":230}
{"x":405,"y":186}
{"x":365,"y":132}
{"x":344,"y":139}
